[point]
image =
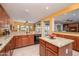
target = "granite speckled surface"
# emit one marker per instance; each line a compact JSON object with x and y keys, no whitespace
{"x":6,"y":39}
{"x":57,"y":41}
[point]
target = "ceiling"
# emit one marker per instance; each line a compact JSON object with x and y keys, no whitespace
{"x":71,"y":17}
{"x":32,"y":12}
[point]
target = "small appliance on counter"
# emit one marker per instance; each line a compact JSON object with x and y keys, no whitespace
{"x":6,"y":29}
{"x":6,"y":32}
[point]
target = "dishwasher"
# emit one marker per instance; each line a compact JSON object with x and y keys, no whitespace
{"x":36,"y":38}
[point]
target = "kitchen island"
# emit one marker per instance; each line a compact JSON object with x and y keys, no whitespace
{"x":55,"y":47}
{"x":70,"y":35}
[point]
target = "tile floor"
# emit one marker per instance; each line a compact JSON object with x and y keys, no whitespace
{"x":32,"y":51}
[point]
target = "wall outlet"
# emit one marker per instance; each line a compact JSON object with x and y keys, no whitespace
{"x":66,"y":51}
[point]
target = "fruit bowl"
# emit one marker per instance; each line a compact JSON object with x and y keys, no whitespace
{"x":51,"y":35}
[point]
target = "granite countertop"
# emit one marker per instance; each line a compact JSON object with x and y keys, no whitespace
{"x":68,"y":33}
{"x":6,"y":39}
{"x":21,"y":33}
{"x":57,"y":41}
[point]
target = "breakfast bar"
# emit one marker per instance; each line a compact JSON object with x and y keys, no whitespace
{"x":70,"y":35}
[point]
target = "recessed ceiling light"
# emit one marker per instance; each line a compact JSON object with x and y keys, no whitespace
{"x":47,"y":7}
{"x":26,"y":10}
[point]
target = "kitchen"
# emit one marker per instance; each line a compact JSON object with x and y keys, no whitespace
{"x":28,"y":33}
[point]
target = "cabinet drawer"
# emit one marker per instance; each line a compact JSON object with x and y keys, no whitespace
{"x":54,"y":48}
{"x":49,"y":52}
{"x":42,"y":41}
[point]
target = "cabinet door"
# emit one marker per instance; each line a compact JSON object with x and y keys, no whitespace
{"x":42,"y":50}
{"x":49,"y":52}
{"x":18,"y":42}
{"x":1,"y":12}
{"x":25,"y":40}
{"x":42,"y":47}
{"x":8,"y":49}
{"x":72,"y":38}
{"x":12,"y":43}
{"x":3,"y":16}
{"x":31,"y":39}
{"x":3,"y":52}
{"x":77,"y":44}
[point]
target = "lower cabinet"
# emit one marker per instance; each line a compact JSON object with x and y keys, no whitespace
{"x":77,"y":44}
{"x":24,"y":40}
{"x":72,"y":38}
{"x":75,"y":38}
{"x":7,"y":50}
{"x":49,"y":52}
{"x":31,"y":39}
{"x":3,"y":52}
{"x":48,"y":49}
{"x":17,"y":42}
{"x":42,"y":50}
{"x":12,"y":42}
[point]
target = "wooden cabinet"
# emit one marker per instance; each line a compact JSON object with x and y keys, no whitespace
{"x":72,"y":38}
{"x":4,"y":18}
{"x":13,"y":43}
{"x":75,"y":43}
{"x":48,"y":49}
{"x":59,"y":35}
{"x":49,"y":52}
{"x":71,"y":27}
{"x":8,"y":49}
{"x":2,"y":52}
{"x":12,"y":46}
{"x":54,"y":48}
{"x":66,"y":50}
{"x":2,"y":12}
{"x":31,"y":39}
{"x":18,"y":42}
{"x":42,"y":48}
{"x":24,"y":40}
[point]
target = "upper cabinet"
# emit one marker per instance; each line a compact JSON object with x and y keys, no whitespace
{"x":4,"y":18}
{"x":71,"y":27}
